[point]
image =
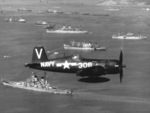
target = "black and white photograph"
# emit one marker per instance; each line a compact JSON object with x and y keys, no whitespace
{"x":74,"y":56}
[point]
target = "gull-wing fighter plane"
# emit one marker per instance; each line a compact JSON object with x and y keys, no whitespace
{"x":76,"y":64}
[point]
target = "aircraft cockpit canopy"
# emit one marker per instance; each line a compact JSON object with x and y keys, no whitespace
{"x":76,"y":57}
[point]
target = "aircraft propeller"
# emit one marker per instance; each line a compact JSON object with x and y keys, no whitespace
{"x":121,"y":66}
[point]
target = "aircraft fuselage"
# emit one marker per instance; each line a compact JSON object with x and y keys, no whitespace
{"x":68,"y":66}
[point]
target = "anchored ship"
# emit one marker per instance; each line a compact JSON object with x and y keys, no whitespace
{"x":15,"y":20}
{"x":66,"y":30}
{"x":31,"y":86}
{"x":129,"y":36}
{"x":84,"y":46}
{"x":21,"y":20}
{"x":41,"y":23}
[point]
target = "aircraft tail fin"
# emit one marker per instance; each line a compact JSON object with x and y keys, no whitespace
{"x":39,"y":54}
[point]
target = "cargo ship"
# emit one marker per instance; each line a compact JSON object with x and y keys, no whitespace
{"x":129,"y":36}
{"x":65,"y":30}
{"x":84,"y":46}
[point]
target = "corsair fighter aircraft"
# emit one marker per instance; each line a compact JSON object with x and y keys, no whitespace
{"x":76,"y":64}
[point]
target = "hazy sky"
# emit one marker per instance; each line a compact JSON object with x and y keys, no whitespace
{"x":67,"y":1}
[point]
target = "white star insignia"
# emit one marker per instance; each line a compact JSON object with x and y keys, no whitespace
{"x":66,"y":65}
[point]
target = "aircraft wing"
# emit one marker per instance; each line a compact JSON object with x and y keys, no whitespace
{"x":91,"y":71}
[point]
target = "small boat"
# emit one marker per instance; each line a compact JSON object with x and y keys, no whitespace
{"x":8,"y":19}
{"x":21,"y":20}
{"x":41,"y":23}
{"x":24,"y":9}
{"x":51,"y":11}
{"x":128,"y":36}
{"x":67,"y":30}
{"x":83,"y":46}
{"x":49,"y":26}
{"x":23,"y":85}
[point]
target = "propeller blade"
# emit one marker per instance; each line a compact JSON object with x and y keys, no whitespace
{"x":121,"y":58}
{"x":121,"y":66}
{"x":121,"y":75}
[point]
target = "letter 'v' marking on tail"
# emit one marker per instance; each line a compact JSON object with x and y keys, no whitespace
{"x":39,"y":53}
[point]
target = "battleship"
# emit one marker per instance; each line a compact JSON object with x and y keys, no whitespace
{"x":25,"y":85}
